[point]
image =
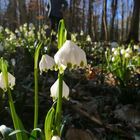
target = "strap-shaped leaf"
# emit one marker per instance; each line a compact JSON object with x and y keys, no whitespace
{"x":62,"y":33}
{"x":33,"y":134}
{"x":49,"y":120}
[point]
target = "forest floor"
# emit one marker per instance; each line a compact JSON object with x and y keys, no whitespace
{"x":96,"y":110}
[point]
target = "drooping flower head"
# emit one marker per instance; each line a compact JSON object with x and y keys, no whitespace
{"x":46,"y":63}
{"x":55,"y":138}
{"x":11,"y":81}
{"x":70,"y":55}
{"x":54,"y":90}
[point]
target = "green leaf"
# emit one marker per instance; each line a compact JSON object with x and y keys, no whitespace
{"x":62,"y":33}
{"x":18,"y":131}
{"x":24,"y":135}
{"x":49,"y":120}
{"x":34,"y":132}
{"x":36,"y":55}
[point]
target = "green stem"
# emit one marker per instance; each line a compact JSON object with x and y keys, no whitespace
{"x":59,"y":104}
{"x":36,"y":98}
{"x":36,"y":57}
{"x":14,"y":115}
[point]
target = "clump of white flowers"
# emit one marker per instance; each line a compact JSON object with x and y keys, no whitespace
{"x":70,"y":55}
{"x":54,"y":90}
{"x":11,"y":81}
{"x":46,"y":63}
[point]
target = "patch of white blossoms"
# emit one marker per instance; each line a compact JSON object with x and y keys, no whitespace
{"x":46,"y":63}
{"x":11,"y":81}
{"x":54,"y":90}
{"x":70,"y":55}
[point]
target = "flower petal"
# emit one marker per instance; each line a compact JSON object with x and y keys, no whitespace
{"x":55,"y":138}
{"x":46,"y":63}
{"x":54,"y":90}
{"x":70,"y":53}
{"x":11,"y":81}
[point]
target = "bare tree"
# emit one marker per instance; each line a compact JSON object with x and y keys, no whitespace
{"x":122,"y":20}
{"x":89,"y":17}
{"x":83,"y":16}
{"x":113,"y":9}
{"x":134,"y":31}
{"x":104,"y":31}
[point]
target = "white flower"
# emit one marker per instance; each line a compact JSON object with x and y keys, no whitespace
{"x":70,"y":55}
{"x":113,"y":59}
{"x":116,"y":53}
{"x":31,"y":33}
{"x":81,"y":33}
{"x":113,"y":49}
{"x":136,"y":47}
{"x":2,"y":128}
{"x":127,"y":55}
{"x":88,"y":38}
{"x":129,"y":50}
{"x":55,"y":138}
{"x":11,"y":81}
{"x":54,"y":90}
{"x":46,"y":63}
{"x":7,"y":30}
{"x":13,"y":61}
{"x":45,"y":27}
{"x":122,"y":51}
{"x":31,"y":26}
{"x":25,"y":25}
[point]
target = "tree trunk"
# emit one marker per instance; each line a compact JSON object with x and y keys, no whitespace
{"x":90,"y":17}
{"x":104,"y":32}
{"x":114,"y":9}
{"x":134,"y":31}
{"x":83,"y":16}
{"x":122,"y":21}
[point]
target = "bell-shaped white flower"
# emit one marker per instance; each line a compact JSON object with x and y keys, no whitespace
{"x":55,"y":138}
{"x":127,"y":55}
{"x":88,"y":39}
{"x":54,"y":90}
{"x":136,"y":47}
{"x":70,"y":55}
{"x":13,"y":61}
{"x":122,"y":51}
{"x":11,"y":81}
{"x":46,"y":63}
{"x":81,"y":33}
